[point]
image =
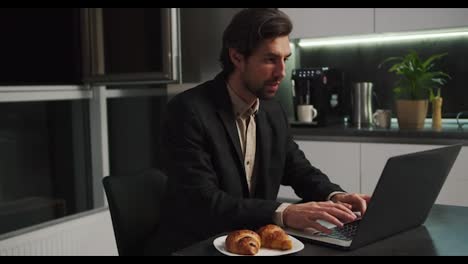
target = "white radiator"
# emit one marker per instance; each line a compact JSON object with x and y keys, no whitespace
{"x":85,"y":236}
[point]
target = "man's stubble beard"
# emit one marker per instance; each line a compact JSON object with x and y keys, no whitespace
{"x":260,"y":93}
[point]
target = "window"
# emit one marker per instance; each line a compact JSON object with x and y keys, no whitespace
{"x":44,"y":162}
{"x":59,"y":134}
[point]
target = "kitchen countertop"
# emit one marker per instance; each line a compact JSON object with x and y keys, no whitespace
{"x":450,"y":134}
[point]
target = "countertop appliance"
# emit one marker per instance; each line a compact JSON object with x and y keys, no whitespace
{"x":325,"y":89}
{"x":362,"y":94}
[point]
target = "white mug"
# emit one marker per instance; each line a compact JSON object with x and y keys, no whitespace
{"x":382,"y":118}
{"x":306,"y":113}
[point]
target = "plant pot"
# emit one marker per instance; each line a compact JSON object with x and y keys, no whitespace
{"x":411,"y":114}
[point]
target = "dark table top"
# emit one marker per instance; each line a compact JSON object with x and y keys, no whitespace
{"x":445,"y":232}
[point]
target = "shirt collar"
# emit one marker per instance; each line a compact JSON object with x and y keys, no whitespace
{"x":240,"y":107}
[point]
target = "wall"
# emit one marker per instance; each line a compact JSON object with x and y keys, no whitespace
{"x":201,"y":39}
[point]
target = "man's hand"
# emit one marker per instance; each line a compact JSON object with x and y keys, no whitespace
{"x":301,"y":216}
{"x":356,"y":201}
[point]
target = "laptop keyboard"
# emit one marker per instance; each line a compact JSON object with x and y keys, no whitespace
{"x":347,"y":232}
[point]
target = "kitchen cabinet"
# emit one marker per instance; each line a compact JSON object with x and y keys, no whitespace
{"x":326,"y":22}
{"x":357,"y":167}
{"x":129,"y":45}
{"x":43,"y":46}
{"x":412,"y":19}
{"x":339,"y":161}
{"x":374,"y":157}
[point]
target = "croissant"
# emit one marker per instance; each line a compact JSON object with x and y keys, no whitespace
{"x":243,"y":242}
{"x":274,"y":237}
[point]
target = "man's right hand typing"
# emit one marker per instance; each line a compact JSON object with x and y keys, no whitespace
{"x":301,"y":216}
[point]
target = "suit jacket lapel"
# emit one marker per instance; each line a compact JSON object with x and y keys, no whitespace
{"x":231,"y":128}
{"x":263,"y":154}
{"x":226,"y":114}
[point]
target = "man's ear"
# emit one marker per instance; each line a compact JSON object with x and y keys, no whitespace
{"x":235,"y":57}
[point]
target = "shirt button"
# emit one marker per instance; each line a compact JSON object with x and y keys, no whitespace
{"x":248,"y":162}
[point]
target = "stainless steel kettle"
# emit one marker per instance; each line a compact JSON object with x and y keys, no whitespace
{"x":361,"y":103}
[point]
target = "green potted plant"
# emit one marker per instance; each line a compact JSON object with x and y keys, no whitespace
{"x":415,"y":87}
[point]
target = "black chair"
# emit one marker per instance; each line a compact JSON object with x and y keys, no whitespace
{"x":134,"y":205}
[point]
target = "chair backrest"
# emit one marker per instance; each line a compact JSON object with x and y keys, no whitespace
{"x":134,"y":205}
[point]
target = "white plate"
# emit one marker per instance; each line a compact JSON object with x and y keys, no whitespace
{"x":296,"y":247}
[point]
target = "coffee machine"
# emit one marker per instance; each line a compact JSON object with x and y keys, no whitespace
{"x":325,"y":89}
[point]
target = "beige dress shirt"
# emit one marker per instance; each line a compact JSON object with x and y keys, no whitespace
{"x":246,"y":127}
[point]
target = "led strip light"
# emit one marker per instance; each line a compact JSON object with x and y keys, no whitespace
{"x":387,"y":37}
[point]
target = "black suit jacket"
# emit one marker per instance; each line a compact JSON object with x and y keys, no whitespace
{"x":207,"y":190}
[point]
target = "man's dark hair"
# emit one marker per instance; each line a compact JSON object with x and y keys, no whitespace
{"x":249,"y":28}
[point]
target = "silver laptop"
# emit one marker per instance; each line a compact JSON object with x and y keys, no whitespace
{"x":402,"y":199}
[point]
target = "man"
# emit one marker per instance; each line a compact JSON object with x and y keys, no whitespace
{"x":226,"y":147}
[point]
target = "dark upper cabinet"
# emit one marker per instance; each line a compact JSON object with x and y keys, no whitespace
{"x":131,"y":45}
{"x":88,"y":45}
{"x":40,"y":46}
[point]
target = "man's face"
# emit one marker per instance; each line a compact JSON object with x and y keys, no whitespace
{"x":263,"y":71}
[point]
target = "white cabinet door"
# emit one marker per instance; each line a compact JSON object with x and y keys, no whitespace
{"x":374,"y":157}
{"x":339,"y":161}
{"x":409,"y":19}
{"x":324,"y":22}
{"x":455,"y":190}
